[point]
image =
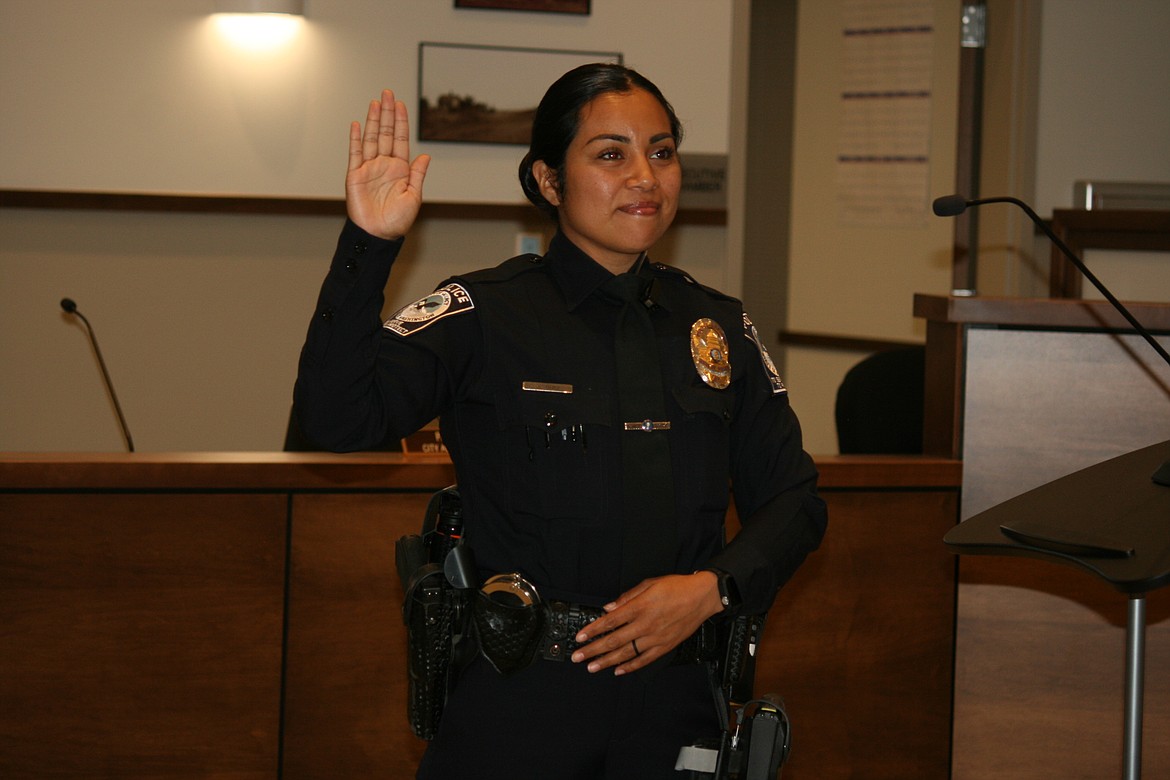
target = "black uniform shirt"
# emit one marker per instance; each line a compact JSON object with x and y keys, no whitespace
{"x":517,"y":362}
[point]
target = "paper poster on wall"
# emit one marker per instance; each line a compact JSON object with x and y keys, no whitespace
{"x":883,"y":157}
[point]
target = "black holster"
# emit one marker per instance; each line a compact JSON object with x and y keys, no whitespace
{"x":436,"y":611}
{"x":739,"y":640}
{"x":756,"y":745}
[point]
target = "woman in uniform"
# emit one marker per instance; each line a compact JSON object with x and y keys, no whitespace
{"x":597,"y":406}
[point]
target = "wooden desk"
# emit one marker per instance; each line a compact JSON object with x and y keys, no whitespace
{"x":236,"y":615}
{"x":1026,"y":391}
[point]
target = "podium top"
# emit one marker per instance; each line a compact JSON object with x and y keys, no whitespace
{"x":1052,"y":313}
{"x":1110,"y":519}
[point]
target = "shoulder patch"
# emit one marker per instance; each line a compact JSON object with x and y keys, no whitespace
{"x":447,"y":300}
{"x":769,"y":367}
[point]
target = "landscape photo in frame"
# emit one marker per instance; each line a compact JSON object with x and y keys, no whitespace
{"x":488,"y":94}
{"x":547,"y":6}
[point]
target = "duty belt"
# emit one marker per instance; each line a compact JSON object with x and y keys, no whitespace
{"x":515,"y":627}
{"x":564,"y":621}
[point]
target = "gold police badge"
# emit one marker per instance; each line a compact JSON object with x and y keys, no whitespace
{"x":709,"y":351}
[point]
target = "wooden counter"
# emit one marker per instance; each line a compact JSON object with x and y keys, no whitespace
{"x":187,"y":615}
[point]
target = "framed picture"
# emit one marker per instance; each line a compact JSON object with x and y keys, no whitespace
{"x":548,"y":6}
{"x":488,"y":94}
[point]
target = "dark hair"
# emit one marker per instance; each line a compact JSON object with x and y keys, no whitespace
{"x":559,"y":116}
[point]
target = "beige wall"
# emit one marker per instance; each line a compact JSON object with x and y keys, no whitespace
{"x":847,"y":279}
{"x":200,"y":317}
{"x":1104,"y":96}
{"x":149,"y":96}
{"x":1075,"y":89}
{"x":1104,"y":115}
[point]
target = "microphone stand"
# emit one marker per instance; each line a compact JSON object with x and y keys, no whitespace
{"x":953,"y":205}
{"x":70,"y":307}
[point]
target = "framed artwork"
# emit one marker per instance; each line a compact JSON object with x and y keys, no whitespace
{"x":488,"y":94}
{"x":547,"y":6}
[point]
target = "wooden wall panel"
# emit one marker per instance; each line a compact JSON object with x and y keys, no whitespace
{"x":345,"y":701}
{"x":859,"y":644}
{"x":143,"y":631}
{"x":140,"y":635}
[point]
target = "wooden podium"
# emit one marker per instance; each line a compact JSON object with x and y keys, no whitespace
{"x":1024,"y":392}
{"x":236,"y":615}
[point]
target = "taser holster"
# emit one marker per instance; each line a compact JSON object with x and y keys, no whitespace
{"x":437,"y":581}
{"x":755,"y":737}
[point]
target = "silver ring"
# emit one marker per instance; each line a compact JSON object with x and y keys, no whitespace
{"x":634,"y":644}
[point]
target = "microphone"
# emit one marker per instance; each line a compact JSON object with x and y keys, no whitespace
{"x":954,"y":205}
{"x":951,"y":205}
{"x":70,"y":307}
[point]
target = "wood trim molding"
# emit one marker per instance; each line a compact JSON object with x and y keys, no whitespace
{"x":1055,"y":313}
{"x":361,"y":471}
{"x":134,"y":201}
{"x":793,"y":338}
{"x":243,"y":204}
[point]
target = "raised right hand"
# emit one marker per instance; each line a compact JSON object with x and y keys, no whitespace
{"x":383,"y":189}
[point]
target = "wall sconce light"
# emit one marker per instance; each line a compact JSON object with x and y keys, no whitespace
{"x":293,"y":7}
{"x":259,"y":25}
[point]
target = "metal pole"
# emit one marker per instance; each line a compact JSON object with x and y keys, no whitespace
{"x":972,"y":42}
{"x":1135,"y":648}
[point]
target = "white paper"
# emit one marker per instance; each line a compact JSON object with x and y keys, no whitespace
{"x":883,"y":158}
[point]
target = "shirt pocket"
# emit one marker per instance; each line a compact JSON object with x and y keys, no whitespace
{"x":703,"y":441}
{"x":557,"y":459}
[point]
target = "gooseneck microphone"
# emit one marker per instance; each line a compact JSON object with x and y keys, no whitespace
{"x":954,"y":205}
{"x":70,"y":307}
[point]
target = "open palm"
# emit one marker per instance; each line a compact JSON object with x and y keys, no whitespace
{"x":383,"y":188}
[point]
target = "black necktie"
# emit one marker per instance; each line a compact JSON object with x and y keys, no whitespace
{"x":649,"y":539}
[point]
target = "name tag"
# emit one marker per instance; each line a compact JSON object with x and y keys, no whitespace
{"x":546,"y":387}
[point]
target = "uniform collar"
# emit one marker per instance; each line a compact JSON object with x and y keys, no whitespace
{"x":579,"y":275}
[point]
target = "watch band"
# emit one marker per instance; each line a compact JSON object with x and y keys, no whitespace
{"x":728,"y":592}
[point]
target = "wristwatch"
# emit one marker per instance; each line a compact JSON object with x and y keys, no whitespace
{"x":728,"y":592}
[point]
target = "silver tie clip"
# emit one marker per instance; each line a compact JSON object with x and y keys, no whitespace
{"x":648,"y":425}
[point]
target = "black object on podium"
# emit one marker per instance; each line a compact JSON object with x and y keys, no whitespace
{"x":1112,"y":520}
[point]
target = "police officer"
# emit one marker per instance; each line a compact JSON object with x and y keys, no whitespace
{"x":596,"y":406}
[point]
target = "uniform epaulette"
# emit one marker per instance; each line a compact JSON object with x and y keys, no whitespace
{"x":509,"y":269}
{"x":671,"y":271}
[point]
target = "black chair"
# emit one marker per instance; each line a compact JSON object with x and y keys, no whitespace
{"x":879,"y":404}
